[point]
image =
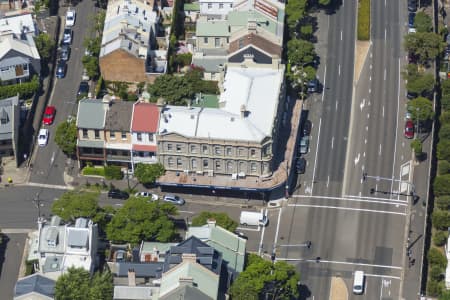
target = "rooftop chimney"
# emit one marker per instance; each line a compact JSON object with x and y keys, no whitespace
{"x":243,"y":111}
{"x":131,"y":277}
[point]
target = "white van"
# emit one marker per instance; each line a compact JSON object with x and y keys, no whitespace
{"x":358,"y":283}
{"x":253,"y":218}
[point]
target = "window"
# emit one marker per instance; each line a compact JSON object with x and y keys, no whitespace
{"x":194,"y":164}
{"x":205,"y":149}
{"x":241,"y":43}
{"x":253,"y":167}
{"x":229,"y":166}
{"x":97,"y":134}
{"x":229,"y":151}
{"x":218,"y":165}
{"x":242,"y":167}
{"x":150,"y":137}
{"x":124,"y":135}
{"x":178,"y":148}
{"x":112,"y":135}
{"x":217,"y":42}
{"x":139,"y":136}
{"x":209,"y":5}
{"x":193,"y":149}
{"x":218,"y":150}
{"x":169,"y":147}
{"x":241,"y":152}
{"x":205,"y":40}
{"x":170,"y":161}
{"x":205,"y":163}
{"x":252,"y":152}
{"x":220,"y":5}
{"x":179,"y":163}
{"x":85,"y":133}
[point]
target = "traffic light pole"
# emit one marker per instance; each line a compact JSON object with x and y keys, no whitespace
{"x":378,"y":178}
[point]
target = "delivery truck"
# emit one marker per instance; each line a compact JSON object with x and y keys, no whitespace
{"x":253,"y":218}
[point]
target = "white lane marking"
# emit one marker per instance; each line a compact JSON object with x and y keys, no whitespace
{"x":249,"y":229}
{"x":370,"y":78}
{"x":371,"y":66}
{"x":381,"y":291}
{"x":365,"y":141}
{"x":262,"y":235}
{"x":384,"y":3}
{"x":385,"y":33}
{"x":358,"y":199}
{"x":374,"y":198}
{"x":52,"y":159}
{"x":357,"y":159}
{"x":341,"y":35}
{"x":339,"y":70}
{"x":324,"y":79}
{"x":367,"y":128}
{"x":379,"y":150}
{"x":383,"y":111}
{"x":350,"y":209}
{"x":53,"y":91}
{"x":332,"y":142}
{"x":396,"y":127}
{"x":328,"y":180}
{"x":364,"y":154}
{"x":370,"y":91}
{"x":363,"y":103}
{"x":383,"y":276}
{"x":315,"y":158}
{"x":384,"y":74}
{"x":337,"y":102}
{"x":341,"y":263}
{"x":368,"y":116}
{"x":278,"y":228}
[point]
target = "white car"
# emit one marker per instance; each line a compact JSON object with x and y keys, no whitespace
{"x":43,"y":137}
{"x":70,"y":18}
{"x":147,"y":194}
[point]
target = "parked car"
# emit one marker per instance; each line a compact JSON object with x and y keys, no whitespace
{"x":49,"y":115}
{"x":70,"y":18}
{"x":301,"y":165}
{"x":409,"y":129}
{"x":147,"y":195}
{"x":83,"y":88}
{"x":43,"y":137}
{"x":118,"y":194}
{"x":412,"y":30}
{"x":307,"y":128}
{"x":411,"y":17}
{"x":174,"y":199}
{"x":64,"y":52}
{"x":412,"y":5}
{"x":411,"y":95}
{"x":313,"y":86}
{"x":84,"y":75}
{"x":304,"y":145}
{"x":61,"y":68}
{"x":67,"y":36}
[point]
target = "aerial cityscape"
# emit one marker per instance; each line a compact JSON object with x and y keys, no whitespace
{"x":224,"y":149}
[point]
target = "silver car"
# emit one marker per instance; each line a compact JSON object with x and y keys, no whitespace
{"x":174,"y":199}
{"x":304,"y":145}
{"x":64,"y":53}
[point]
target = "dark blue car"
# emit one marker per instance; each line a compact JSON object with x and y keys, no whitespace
{"x":61,"y":69}
{"x":411,"y":17}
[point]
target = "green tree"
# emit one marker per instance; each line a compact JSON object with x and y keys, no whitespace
{"x":441,"y":184}
{"x":445,"y":87}
{"x":440,"y":238}
{"x":443,"y":167}
{"x":445,"y":102}
{"x":77,"y":284}
{"x":93,"y":45}
{"x":222,"y":219}
{"x":434,"y":288}
{"x":445,"y":295}
{"x":441,"y":219}
{"x":90,"y":63}
{"x":426,"y":45}
{"x":173,"y":89}
{"x":420,"y":83}
{"x":437,"y":258}
{"x":75,"y":204}
{"x":444,"y":132}
{"x":140,"y":219}
{"x":66,"y":137}
{"x":445,"y":117}
{"x":306,"y":31}
{"x":45,"y":45}
{"x":261,"y":278}
{"x":423,"y":22}
{"x":421,"y":109}
{"x":300,"y":52}
{"x":148,"y":173}
{"x":295,"y":10}
{"x":324,"y":2}
{"x":443,"y":202}
{"x":416,"y":145}
{"x":411,"y":72}
{"x":443,"y":150}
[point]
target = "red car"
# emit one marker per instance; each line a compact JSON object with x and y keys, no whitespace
{"x":409,"y":129}
{"x":49,"y":115}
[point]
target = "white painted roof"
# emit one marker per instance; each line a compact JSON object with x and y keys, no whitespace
{"x":255,"y":88}
{"x":15,"y":24}
{"x":26,"y":47}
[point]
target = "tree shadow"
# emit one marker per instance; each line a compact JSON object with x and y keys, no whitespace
{"x":3,"y":246}
{"x":304,"y":291}
{"x":333,"y":7}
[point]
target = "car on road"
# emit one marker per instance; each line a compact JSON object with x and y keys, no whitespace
{"x":61,"y":69}
{"x":358,"y":283}
{"x":43,"y":137}
{"x":307,"y":128}
{"x":300,"y":166}
{"x":147,"y":195}
{"x":412,"y":5}
{"x":83,"y":89}
{"x":118,"y":194}
{"x":304,"y":145}
{"x":49,"y":115}
{"x":64,"y":52}
{"x":408,"y":116}
{"x":411,"y":17}
{"x":67,"y":36}
{"x":70,"y":18}
{"x":409,"y":129}
{"x":174,"y":199}
{"x":313,"y":86}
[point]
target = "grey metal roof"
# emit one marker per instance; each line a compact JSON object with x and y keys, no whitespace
{"x":6,"y":114}
{"x":35,"y":283}
{"x":208,"y":63}
{"x":91,"y":143}
{"x":118,"y":116}
{"x":13,"y":61}
{"x":52,"y":264}
{"x":185,"y":292}
{"x":77,"y":238}
{"x":91,"y":114}
{"x":153,"y":269}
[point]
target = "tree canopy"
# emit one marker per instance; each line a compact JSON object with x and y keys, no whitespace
{"x":44,"y":45}
{"x":441,"y":184}
{"x":261,"y":278}
{"x":66,"y":137}
{"x":75,"y":204}
{"x":426,"y":45}
{"x":443,"y":150}
{"x":423,"y":22}
{"x":148,"y":173}
{"x":140,"y":219}
{"x":300,"y":52}
{"x":222,"y":219}
{"x":421,"y":109}
{"x":295,"y":10}
{"x":420,"y":84}
{"x":76,"y":284}
{"x":174,"y":89}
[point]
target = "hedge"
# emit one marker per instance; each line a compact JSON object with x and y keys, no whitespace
{"x":25,"y":90}
{"x":364,"y":20}
{"x":98,"y":171}
{"x":113,"y":172}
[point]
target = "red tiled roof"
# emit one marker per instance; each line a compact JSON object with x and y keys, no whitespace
{"x":145,"y":117}
{"x":151,"y":148}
